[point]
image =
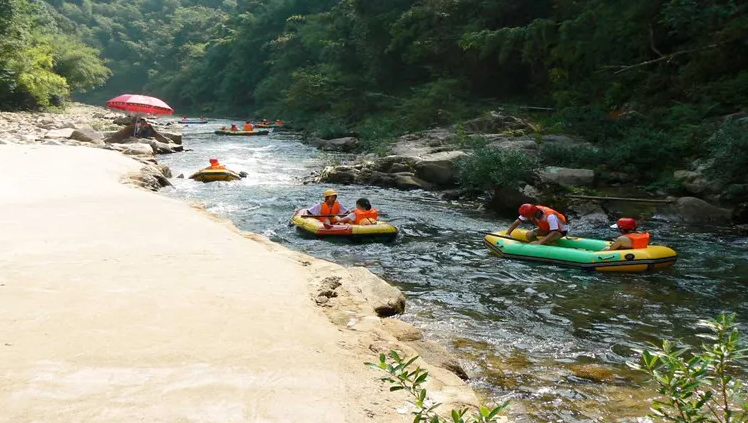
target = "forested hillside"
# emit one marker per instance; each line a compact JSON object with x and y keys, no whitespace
{"x":40,"y":63}
{"x":649,"y":75}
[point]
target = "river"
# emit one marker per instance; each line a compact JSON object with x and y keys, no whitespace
{"x":552,"y":340}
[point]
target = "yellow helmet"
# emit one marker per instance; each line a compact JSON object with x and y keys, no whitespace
{"x":329,"y":192}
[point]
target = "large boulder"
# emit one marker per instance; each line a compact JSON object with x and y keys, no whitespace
{"x":497,"y":121}
{"x":568,"y":177}
{"x":133,"y":149}
{"x":439,"y":168}
{"x":695,"y":210}
{"x":163,"y":148}
{"x":66,"y":133}
{"x":173,"y":136}
{"x":696,"y":183}
{"x":149,"y":177}
{"x":383,"y":297}
{"x":408,"y":181}
{"x":526,"y":144}
{"x":346,"y":144}
{"x":338,"y":175}
{"x":88,"y":135}
{"x":506,"y":201}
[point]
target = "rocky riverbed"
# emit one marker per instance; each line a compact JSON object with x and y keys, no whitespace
{"x":429,"y":160}
{"x":87,"y":126}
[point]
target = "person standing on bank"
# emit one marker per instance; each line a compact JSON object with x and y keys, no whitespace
{"x":551,"y":225}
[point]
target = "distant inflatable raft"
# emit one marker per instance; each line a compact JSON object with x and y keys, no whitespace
{"x":584,"y":253}
{"x":311,"y":226}
{"x":213,"y":175}
{"x":243,"y":133}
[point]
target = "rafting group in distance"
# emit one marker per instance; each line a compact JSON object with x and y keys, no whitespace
{"x":548,"y":242}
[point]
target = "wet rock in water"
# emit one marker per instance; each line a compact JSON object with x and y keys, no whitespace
{"x":164,"y":170}
{"x":346,"y":144}
{"x":338,"y":175}
{"x":593,"y":372}
{"x":695,"y":210}
{"x":173,"y":136}
{"x":163,"y":148}
{"x":408,"y":181}
{"x":452,"y":194}
{"x":383,"y":297}
{"x":439,"y":168}
{"x":568,"y":177}
{"x":506,"y":201}
{"x":438,"y":355}
{"x":150,"y":177}
{"x":588,"y":213}
{"x":402,"y":331}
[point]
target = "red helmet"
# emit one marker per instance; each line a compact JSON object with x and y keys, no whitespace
{"x":214,"y":160}
{"x":527,"y":210}
{"x":625,"y":223}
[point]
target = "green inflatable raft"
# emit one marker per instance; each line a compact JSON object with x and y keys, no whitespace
{"x":584,"y":253}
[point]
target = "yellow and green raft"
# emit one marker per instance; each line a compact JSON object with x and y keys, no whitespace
{"x":213,"y":175}
{"x":585,"y":253}
{"x":381,"y":231}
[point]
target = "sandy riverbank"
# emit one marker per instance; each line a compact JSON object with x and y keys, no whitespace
{"x":121,"y":305}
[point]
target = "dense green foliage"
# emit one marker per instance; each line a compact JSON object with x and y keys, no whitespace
{"x":39,"y":63}
{"x":489,"y":168}
{"x":644,"y":80}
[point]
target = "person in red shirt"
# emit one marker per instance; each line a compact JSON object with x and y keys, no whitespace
{"x":630,"y":238}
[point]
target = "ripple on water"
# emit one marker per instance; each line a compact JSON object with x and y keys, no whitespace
{"x":554,"y":340}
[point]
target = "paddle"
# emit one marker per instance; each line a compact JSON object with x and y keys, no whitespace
{"x":501,"y":236}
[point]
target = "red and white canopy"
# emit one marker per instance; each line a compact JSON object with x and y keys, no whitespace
{"x":139,"y":104}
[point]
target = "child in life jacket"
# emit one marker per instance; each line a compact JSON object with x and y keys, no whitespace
{"x":363,"y":214}
{"x":630,"y":238}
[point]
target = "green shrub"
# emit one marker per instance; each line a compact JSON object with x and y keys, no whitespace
{"x":699,"y":386}
{"x":558,"y":154}
{"x":728,"y":153}
{"x":402,"y":378}
{"x":490,"y":167}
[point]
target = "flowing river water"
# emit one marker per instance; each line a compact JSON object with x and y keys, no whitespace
{"x":554,"y":341}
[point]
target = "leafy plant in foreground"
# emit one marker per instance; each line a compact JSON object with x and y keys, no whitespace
{"x":699,"y":387}
{"x":402,"y":378}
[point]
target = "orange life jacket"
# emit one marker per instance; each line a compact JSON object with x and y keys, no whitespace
{"x":362,"y":215}
{"x":279,"y":123}
{"x":542,"y":223}
{"x":248,"y":127}
{"x":638,"y":239}
{"x":217,"y":166}
{"x":326,"y":210}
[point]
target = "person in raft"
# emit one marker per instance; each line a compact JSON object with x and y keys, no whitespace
{"x":329,"y":209}
{"x":551,"y":225}
{"x":248,"y":126}
{"x":363,"y":214}
{"x":630,"y":237}
{"x":278,"y":122}
{"x":234,"y":128}
{"x":215,"y":165}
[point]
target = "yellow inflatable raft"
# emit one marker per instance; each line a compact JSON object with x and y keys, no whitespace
{"x":312,"y":226}
{"x":213,"y":175}
{"x":585,"y":253}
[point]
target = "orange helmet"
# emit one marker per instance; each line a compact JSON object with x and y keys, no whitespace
{"x":625,"y":223}
{"x":527,"y":210}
